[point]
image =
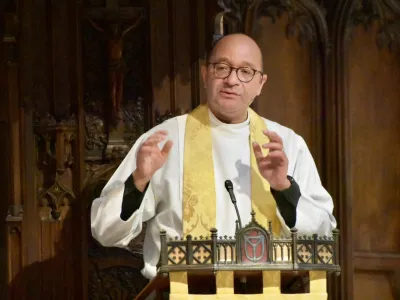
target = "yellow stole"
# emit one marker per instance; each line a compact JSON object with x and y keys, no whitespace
{"x":199,"y":197}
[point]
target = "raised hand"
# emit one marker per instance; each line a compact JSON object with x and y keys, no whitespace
{"x":150,"y":158}
{"x":274,"y":166}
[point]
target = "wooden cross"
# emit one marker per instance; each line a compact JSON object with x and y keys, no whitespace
{"x":113,"y":12}
{"x":114,"y":31}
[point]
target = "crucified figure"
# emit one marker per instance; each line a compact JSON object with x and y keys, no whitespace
{"x":116,"y":64}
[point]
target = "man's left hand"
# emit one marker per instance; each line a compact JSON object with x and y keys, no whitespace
{"x":274,"y":166}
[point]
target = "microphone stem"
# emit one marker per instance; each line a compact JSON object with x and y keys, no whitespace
{"x":237,"y":212}
{"x":236,"y":208}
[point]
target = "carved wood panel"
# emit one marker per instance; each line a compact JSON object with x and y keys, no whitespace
{"x":10,"y":208}
{"x":111,"y":272}
{"x":373,"y":121}
{"x":367,"y":102}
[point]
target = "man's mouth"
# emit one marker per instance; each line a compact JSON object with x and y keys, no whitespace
{"x":228,"y":94}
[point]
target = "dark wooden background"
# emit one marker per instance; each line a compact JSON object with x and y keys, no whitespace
{"x":334,"y":77}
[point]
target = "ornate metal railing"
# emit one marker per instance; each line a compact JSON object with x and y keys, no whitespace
{"x":252,"y":248}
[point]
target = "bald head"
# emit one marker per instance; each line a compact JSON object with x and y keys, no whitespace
{"x":238,"y":42}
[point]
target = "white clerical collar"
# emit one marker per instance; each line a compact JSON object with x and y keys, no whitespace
{"x":215,"y":122}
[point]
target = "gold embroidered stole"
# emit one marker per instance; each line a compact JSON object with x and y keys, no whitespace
{"x":199,"y":196}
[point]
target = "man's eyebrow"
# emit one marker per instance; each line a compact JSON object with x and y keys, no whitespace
{"x":242,"y":64}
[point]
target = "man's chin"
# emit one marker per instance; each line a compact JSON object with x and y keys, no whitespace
{"x":230,"y":110}
{"x":229,"y":105}
{"x":226,"y":113}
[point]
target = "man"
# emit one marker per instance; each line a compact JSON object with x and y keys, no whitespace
{"x":173,"y":177}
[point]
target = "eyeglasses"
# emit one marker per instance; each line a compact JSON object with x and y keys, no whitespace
{"x":244,"y":74}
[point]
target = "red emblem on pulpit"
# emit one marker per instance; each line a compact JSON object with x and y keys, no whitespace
{"x":254,"y":247}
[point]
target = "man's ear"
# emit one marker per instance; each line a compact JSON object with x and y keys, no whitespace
{"x":204,"y":74}
{"x":263,"y":80}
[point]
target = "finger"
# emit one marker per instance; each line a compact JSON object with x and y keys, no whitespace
{"x":159,"y":133}
{"x":266,"y":164}
{"x":162,"y":132}
{"x":273,"y":136}
{"x":155,"y":139}
{"x":153,"y":142}
{"x":273,"y":146}
{"x":257,"y":151}
{"x":276,"y":154}
{"x":270,"y":160}
{"x":167,"y":148}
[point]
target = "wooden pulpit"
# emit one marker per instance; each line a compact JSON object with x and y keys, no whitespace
{"x":254,"y":264}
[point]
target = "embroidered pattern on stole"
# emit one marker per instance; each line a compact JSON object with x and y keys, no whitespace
{"x":199,"y":196}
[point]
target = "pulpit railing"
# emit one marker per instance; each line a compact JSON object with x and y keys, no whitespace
{"x":252,"y":248}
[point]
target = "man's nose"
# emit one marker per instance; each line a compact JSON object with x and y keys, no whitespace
{"x":232,"y":79}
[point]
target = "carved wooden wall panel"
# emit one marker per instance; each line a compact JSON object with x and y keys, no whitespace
{"x":5,"y":191}
{"x":374,"y":110}
{"x":368,"y":74}
{"x":41,"y":141}
{"x":178,"y":49}
{"x":4,"y":155}
{"x":112,"y":273}
{"x":10,"y":208}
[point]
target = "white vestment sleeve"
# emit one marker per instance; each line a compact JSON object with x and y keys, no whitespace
{"x":106,"y":224}
{"x":314,"y":212}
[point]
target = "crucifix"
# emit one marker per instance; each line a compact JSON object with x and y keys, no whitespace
{"x":114,"y":32}
{"x":114,"y":22}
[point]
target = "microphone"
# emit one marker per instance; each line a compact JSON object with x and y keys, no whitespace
{"x":229,"y":188}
